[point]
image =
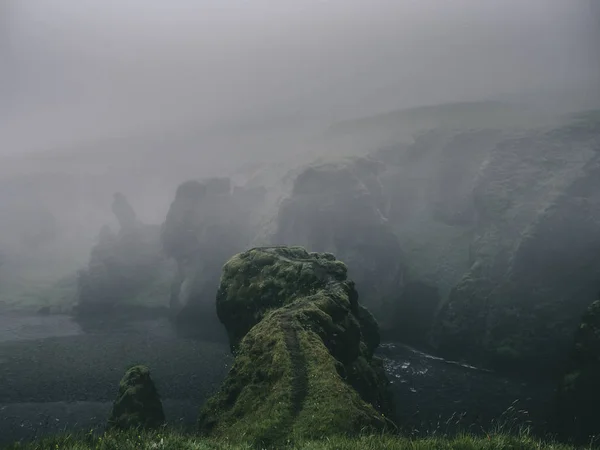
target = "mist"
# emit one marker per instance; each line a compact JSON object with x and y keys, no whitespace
{"x":401,"y":197}
{"x":75,"y":72}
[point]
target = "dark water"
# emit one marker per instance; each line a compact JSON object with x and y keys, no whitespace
{"x":438,"y":396}
{"x":54,"y":377}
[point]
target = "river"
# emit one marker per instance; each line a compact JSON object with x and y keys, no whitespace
{"x":54,"y":377}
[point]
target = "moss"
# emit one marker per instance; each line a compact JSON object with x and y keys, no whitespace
{"x":340,"y":207}
{"x":303,"y":352}
{"x":259,"y":280}
{"x":138,"y":404}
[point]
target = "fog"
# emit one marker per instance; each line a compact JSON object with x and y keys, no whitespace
{"x":76,"y":72}
{"x":446,"y":151}
{"x":138,"y":96}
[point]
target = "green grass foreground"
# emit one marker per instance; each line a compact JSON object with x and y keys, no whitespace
{"x":173,"y":440}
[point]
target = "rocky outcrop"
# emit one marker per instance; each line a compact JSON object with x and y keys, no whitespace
{"x":339,"y":208}
{"x":126,"y":270}
{"x":207,"y":223}
{"x":579,"y":392}
{"x":303,"y":346}
{"x":429,"y":185}
{"x":535,"y":251}
{"x":124,"y":212}
{"x":138,"y":404}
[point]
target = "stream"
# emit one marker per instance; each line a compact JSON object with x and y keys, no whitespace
{"x":54,"y":377}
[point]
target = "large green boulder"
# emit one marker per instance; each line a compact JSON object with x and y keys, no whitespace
{"x":579,"y":390}
{"x":303,"y":346}
{"x":138,"y":404}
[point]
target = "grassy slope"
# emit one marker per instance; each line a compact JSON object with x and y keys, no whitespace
{"x":173,"y":440}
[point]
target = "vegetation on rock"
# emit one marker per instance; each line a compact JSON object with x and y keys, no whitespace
{"x":303,"y":346}
{"x":138,"y":404}
{"x":535,"y":256}
{"x":340,"y":208}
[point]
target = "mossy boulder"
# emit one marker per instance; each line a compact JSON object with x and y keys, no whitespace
{"x":138,"y":404}
{"x":579,"y":390}
{"x":303,"y":346}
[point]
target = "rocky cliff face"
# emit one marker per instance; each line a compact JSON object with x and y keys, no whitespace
{"x":339,"y":208}
{"x":481,"y":241}
{"x":534,"y":250}
{"x":207,"y":223}
{"x":126,"y":269}
{"x":303,"y":346}
{"x":494,"y":231}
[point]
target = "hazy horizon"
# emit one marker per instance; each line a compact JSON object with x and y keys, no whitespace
{"x":86,"y":71}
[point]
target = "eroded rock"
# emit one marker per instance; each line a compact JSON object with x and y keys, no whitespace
{"x":138,"y":404}
{"x":535,"y":252}
{"x":206,"y":224}
{"x":303,"y":345}
{"x":127,"y":270}
{"x":339,"y":208}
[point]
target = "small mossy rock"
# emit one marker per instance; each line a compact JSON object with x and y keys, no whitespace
{"x":304,"y":365}
{"x":138,"y":404}
{"x":579,"y":390}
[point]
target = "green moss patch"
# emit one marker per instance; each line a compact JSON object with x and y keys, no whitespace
{"x":304,"y":365}
{"x":138,"y":404}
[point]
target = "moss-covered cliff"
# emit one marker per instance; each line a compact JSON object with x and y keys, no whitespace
{"x":535,"y":250}
{"x":303,"y":345}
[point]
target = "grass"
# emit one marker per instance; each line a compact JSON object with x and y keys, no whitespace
{"x":175,"y":440}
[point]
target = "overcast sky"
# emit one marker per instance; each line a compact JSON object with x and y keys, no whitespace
{"x":79,"y":70}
